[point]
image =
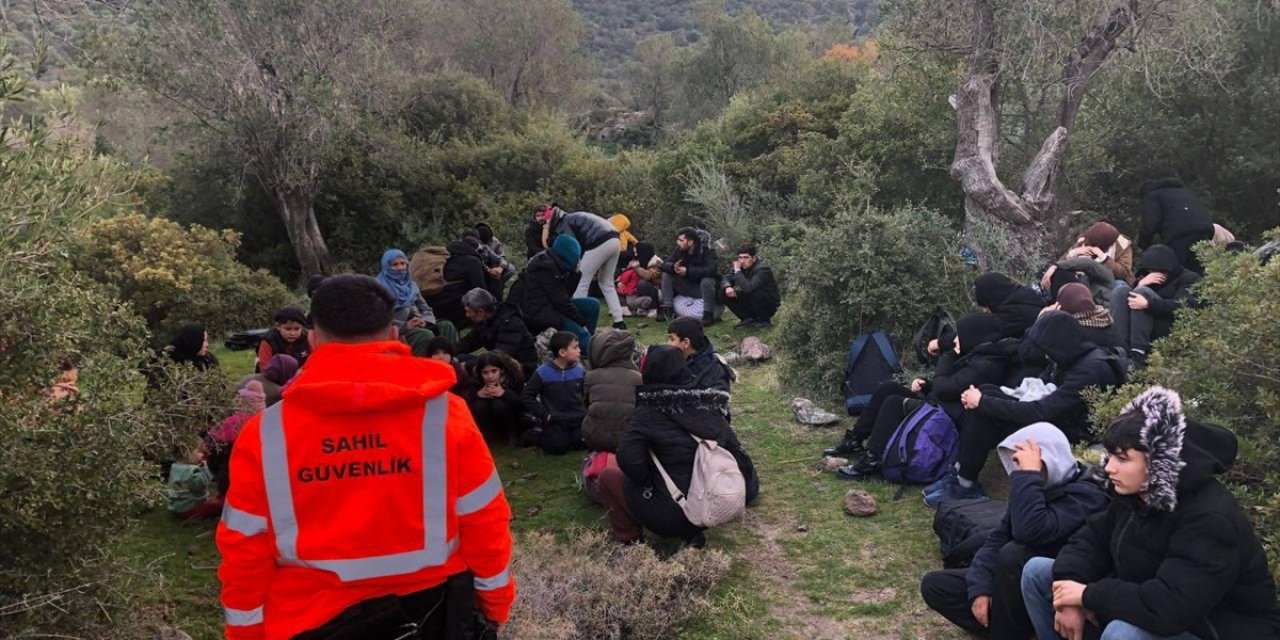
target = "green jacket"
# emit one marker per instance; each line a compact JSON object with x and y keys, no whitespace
{"x":188,"y":486}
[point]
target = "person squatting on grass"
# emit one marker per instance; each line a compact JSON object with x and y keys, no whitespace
{"x":1173,"y":557}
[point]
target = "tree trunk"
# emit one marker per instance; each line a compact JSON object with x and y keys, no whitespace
{"x":297,"y":210}
{"x":998,"y":220}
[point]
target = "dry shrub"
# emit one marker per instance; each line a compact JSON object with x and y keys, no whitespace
{"x":591,"y":588}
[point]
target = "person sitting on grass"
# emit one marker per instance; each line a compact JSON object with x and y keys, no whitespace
{"x":542,"y":293}
{"x":1101,"y":244}
{"x":188,"y":487}
{"x":992,"y":415}
{"x":493,"y":396}
{"x":1145,"y":313}
{"x":1015,"y":305}
{"x":641,"y":279}
{"x":609,"y":389}
{"x":497,"y":327}
{"x":412,"y":310}
{"x":289,"y":337}
{"x":1174,"y":557}
{"x":1050,"y":497}
{"x":979,"y":357}
{"x":751,"y":292}
{"x":553,"y":396}
{"x":1099,"y":327}
{"x":706,"y":367}
{"x":670,"y":410}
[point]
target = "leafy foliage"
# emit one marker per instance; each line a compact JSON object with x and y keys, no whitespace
{"x":172,"y":275}
{"x":866,"y":270}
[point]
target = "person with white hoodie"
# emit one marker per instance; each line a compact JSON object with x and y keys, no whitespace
{"x":1050,"y":497}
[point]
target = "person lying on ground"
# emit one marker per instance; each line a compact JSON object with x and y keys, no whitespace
{"x":670,"y":410}
{"x":751,"y":292}
{"x":706,"y":367}
{"x":1103,"y":244}
{"x":609,"y":389}
{"x":1145,"y":313}
{"x":691,"y":271}
{"x":496,"y":326}
{"x":1174,"y":214}
{"x":493,"y":396}
{"x":542,"y":293}
{"x":1173,"y":557}
{"x":1050,"y":497}
{"x":980,"y":357}
{"x":598,"y":240}
{"x":288,"y":337}
{"x":1076,"y":365}
{"x":553,"y":396}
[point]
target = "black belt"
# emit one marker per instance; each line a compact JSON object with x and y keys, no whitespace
{"x":443,"y":612}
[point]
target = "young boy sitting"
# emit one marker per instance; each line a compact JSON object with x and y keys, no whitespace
{"x":553,"y":396}
{"x":289,"y":337}
{"x":1050,"y":497}
{"x":1174,"y":557}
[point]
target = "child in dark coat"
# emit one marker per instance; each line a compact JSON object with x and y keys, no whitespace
{"x":494,"y":397}
{"x":1050,"y":497}
{"x":1145,"y":313}
{"x":553,"y":397}
{"x":289,"y":337}
{"x":1174,"y":557}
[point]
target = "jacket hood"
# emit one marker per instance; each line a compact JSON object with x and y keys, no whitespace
{"x":689,"y":407}
{"x":1158,"y":257}
{"x":977,"y":329}
{"x":620,"y":222}
{"x":1181,"y":455}
{"x":567,"y":250}
{"x":991,"y":289}
{"x":1158,"y":183}
{"x":546,"y":261}
{"x":612,"y":348}
{"x":372,"y":376}
{"x":1055,"y":452}
{"x":462,"y":248}
{"x":1061,"y":337}
{"x":485,"y":232}
{"x":665,"y":365}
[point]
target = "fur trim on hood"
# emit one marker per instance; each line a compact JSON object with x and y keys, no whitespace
{"x":1162,"y":436}
{"x":675,"y":399}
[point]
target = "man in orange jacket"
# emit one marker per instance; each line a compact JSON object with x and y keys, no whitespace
{"x":366,"y":497}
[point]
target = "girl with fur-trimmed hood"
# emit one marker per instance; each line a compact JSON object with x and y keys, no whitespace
{"x":1174,"y":556}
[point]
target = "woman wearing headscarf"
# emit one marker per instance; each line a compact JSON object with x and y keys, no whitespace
{"x":669,"y":411}
{"x":191,"y":346}
{"x":411,"y":310}
{"x":1100,"y":247}
{"x":626,"y":240}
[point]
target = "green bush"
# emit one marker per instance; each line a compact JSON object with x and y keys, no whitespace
{"x":1223,"y":357}
{"x":172,"y":275}
{"x":865,"y":271}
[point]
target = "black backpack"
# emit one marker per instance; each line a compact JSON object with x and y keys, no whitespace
{"x":963,"y":526}
{"x":872,"y":362}
{"x":939,"y":324}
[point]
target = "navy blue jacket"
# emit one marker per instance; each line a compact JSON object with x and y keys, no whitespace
{"x":554,"y":394}
{"x":1037,"y":518}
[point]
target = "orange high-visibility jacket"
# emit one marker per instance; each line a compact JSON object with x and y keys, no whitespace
{"x":367,"y":479}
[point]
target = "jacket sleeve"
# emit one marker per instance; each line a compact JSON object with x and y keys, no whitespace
{"x":708,"y":268}
{"x":424,"y":310}
{"x":1096,"y":271}
{"x":633,"y":456}
{"x":948,"y":383}
{"x":1200,"y":566}
{"x":1035,"y":522}
{"x":510,"y":337}
{"x":1047,"y":409}
{"x":484,"y":532}
{"x":980,"y":578}
{"x":533,"y":240}
{"x":469,"y":342}
{"x":1167,"y":306}
{"x":532,"y":397}
{"x":245,"y":541}
{"x":760,"y":278}
{"x":669,"y":265}
{"x":1087,"y":555}
{"x":475,"y":275}
{"x":1151,"y":214}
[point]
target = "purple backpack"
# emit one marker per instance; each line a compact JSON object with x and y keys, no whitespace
{"x":922,"y":448}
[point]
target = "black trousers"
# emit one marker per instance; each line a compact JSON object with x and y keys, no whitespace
{"x":867,"y":419}
{"x":390,"y":617}
{"x":980,"y":435}
{"x":891,"y":414}
{"x":748,"y":307}
{"x":947,"y":593}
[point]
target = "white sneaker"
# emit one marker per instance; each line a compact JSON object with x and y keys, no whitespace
{"x":653,"y":313}
{"x":626,"y":312}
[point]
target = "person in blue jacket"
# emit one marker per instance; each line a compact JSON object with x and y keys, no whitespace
{"x":1050,"y":497}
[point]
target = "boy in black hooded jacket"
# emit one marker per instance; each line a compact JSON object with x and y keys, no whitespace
{"x":1145,"y":313}
{"x":1174,"y":556}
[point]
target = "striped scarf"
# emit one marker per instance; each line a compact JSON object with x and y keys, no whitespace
{"x":1096,"y":318}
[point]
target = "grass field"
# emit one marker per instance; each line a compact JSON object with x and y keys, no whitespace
{"x":802,"y":568}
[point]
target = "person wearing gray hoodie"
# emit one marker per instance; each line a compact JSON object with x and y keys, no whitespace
{"x":1050,"y":497}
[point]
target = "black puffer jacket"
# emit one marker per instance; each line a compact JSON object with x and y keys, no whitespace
{"x":1174,"y":292}
{"x":589,"y":229}
{"x":504,"y":331}
{"x":700,"y":263}
{"x":1170,"y":211}
{"x":610,"y":389}
{"x":542,"y":294}
{"x":1017,"y":307}
{"x":758,"y":283}
{"x":463,"y":271}
{"x":1186,"y":559}
{"x":664,"y":418}
{"x":533,"y":239}
{"x":1077,"y":365}
{"x":985,"y":362}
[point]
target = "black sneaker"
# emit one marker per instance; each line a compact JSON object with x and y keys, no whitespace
{"x":867,"y":465}
{"x":761,"y":324}
{"x":848,"y":448}
{"x":745,"y":324}
{"x":664,"y":314}
{"x":708,"y":320}
{"x":698,"y":541}
{"x":621,"y":325}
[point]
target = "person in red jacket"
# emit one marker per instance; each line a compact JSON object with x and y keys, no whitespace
{"x":366,"y":504}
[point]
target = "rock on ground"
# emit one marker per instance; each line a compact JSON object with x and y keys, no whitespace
{"x":859,"y":503}
{"x":830,"y":463}
{"x":809,"y":413}
{"x":753,"y":350}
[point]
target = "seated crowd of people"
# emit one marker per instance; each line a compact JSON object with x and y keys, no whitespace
{"x":1152,"y":546}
